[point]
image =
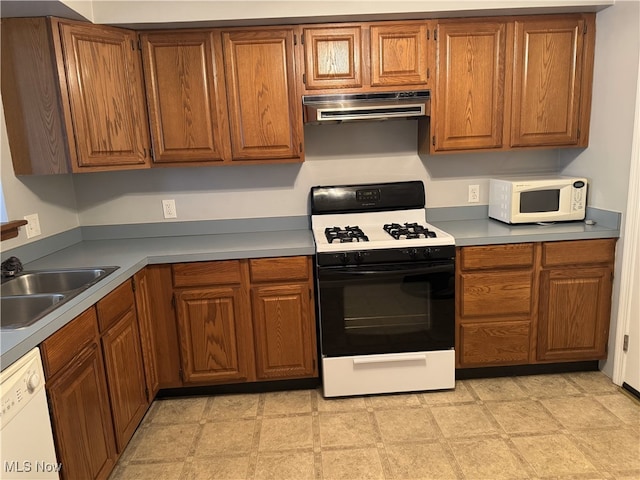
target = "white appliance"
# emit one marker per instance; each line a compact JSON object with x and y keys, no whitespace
{"x":537,"y":199}
{"x":26,"y":439}
{"x":385,"y":290}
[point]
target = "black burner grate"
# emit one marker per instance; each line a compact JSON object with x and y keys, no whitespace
{"x":408,"y":231}
{"x":346,"y":234}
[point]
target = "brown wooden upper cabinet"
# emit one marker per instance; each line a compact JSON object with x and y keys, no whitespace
{"x":365,"y":56}
{"x":265,"y":112}
{"x":186,"y":96}
{"x":73,"y":97}
{"x":511,"y":82}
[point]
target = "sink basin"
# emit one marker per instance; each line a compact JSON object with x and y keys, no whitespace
{"x":29,"y":296}
{"x":53,"y":281}
{"x":21,"y":311}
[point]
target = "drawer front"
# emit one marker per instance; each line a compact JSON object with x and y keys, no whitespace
{"x":279,"y":269}
{"x":114,"y":305}
{"x":61,"y":347}
{"x":496,"y":294}
{"x":496,"y":343}
{"x":578,"y":252}
{"x":223,"y":272}
{"x":497,"y":256}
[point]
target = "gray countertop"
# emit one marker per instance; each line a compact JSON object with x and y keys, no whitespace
{"x":132,"y":254}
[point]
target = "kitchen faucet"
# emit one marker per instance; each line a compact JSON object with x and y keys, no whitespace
{"x":11,"y":267}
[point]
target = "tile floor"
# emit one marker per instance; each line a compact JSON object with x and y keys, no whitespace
{"x":565,"y":426}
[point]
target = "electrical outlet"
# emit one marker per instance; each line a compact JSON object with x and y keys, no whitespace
{"x":474,"y":193}
{"x":169,"y":208}
{"x":33,"y":227}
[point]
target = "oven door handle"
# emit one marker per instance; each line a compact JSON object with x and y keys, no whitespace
{"x":390,"y":358}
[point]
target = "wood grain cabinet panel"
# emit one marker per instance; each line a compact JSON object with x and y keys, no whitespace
{"x":215,"y":335}
{"x":146,"y":327}
{"x":516,"y":255}
{"x":399,"y":55}
{"x":333,"y":57}
{"x":494,"y":343}
{"x":81,"y":417}
{"x":547,"y":81}
{"x":496,"y":293}
{"x":470,"y":85}
{"x":186,"y":96}
{"x":265,"y":113}
{"x":282,"y":331}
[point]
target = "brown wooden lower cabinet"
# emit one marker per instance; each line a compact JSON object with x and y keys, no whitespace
{"x":79,"y":400}
{"x":532,"y":303}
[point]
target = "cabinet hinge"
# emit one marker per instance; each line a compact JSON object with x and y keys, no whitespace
{"x":173,"y":301}
{"x":584,"y":29}
{"x":302,"y":39}
{"x":625,"y":343}
{"x":435,"y":34}
{"x":300,"y":146}
{"x":295,"y":39}
{"x":139,"y":44}
{"x":146,"y":392}
{"x":433,"y":140}
{"x":428,"y":73}
{"x":181,"y":374}
{"x":133,"y":284}
{"x":428,"y":34}
{"x":132,"y":45}
{"x":304,"y":78}
{"x":151,"y":152}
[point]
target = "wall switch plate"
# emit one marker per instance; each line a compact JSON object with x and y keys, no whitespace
{"x":33,"y":227}
{"x":169,"y":209}
{"x":474,"y":193}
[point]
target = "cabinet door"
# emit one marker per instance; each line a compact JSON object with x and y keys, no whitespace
{"x":186,"y":96}
{"x":283,"y":331}
{"x":399,"y":55}
{"x":547,"y":81}
{"x":333,"y":57}
{"x":104,"y":80}
{"x":215,"y":335}
{"x":264,"y":110}
{"x":125,"y":373}
{"x":147,"y":332}
{"x":470,"y":80}
{"x":494,"y":343}
{"x":575,"y":306}
{"x":82,"y":419}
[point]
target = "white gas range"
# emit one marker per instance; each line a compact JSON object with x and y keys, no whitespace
{"x":385,"y":290}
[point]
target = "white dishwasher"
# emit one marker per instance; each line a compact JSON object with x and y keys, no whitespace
{"x":26,"y":440}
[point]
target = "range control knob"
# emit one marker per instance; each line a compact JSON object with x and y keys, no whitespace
{"x":427,"y":253}
{"x":33,"y":382}
{"x":413,"y":252}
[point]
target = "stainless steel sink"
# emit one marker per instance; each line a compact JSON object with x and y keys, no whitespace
{"x":24,"y":310}
{"x":53,"y":281}
{"x":29,"y":296}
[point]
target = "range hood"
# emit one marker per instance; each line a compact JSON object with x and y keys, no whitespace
{"x":319,"y":109}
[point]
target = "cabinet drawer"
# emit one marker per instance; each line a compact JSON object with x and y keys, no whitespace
{"x":500,"y":293}
{"x":279,"y":269}
{"x":496,"y":343}
{"x":223,"y":272}
{"x":114,"y":305}
{"x":61,"y":347}
{"x":497,"y":256}
{"x":578,"y":252}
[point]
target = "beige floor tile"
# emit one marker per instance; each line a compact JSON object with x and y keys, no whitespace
{"x":229,"y":407}
{"x":218,"y":468}
{"x":285,"y":403}
{"x":179,"y":410}
{"x":497,"y":389}
{"x":462,"y":420}
{"x":523,"y":416}
{"x":622,"y":406}
{"x":352,"y":464}
{"x":346,"y":429}
{"x":553,"y":455}
{"x":615,"y":449}
{"x":286,"y":433}
{"x":393,"y":401}
{"x":408,"y":424}
{"x":165,"y":442}
{"x":580,"y":412}
{"x":593,"y":382}
{"x":460,"y":394}
{"x":348,"y":404}
{"x":547,"y":385}
{"x":489,"y":458}
{"x":234,"y":437}
{"x":153,"y":471}
{"x":285,"y":466}
{"x":422,"y":461}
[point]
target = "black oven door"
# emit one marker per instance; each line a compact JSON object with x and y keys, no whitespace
{"x":377,"y":309}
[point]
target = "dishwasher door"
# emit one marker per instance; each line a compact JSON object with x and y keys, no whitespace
{"x":26,"y":440}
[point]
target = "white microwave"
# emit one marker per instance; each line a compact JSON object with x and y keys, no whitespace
{"x":537,"y":199}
